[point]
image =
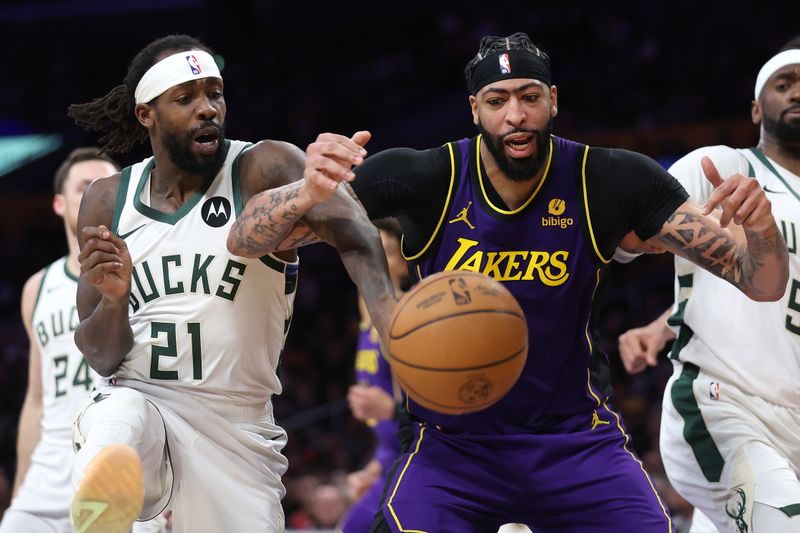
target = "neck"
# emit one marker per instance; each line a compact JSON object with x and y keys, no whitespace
{"x":513,"y":193}
{"x":785,"y":154}
{"x":171,"y":186}
{"x":73,"y":265}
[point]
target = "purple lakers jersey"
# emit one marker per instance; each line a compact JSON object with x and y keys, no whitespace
{"x":373,"y":369}
{"x":544,"y":253}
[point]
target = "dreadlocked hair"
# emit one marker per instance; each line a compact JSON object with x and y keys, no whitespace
{"x":114,"y":112}
{"x":490,"y":44}
{"x":791,"y":44}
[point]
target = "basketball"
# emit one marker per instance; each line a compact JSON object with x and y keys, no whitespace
{"x":457,"y":342}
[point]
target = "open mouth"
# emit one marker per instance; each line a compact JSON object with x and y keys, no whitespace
{"x":519,"y":143}
{"x":207,"y":141}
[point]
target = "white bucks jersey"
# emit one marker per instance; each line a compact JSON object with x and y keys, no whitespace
{"x":754,"y":345}
{"x":66,"y":377}
{"x":204,"y":321}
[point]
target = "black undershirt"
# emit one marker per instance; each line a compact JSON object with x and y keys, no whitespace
{"x":626,"y":191}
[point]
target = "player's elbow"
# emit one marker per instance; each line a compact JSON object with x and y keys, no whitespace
{"x":235,"y":247}
{"x":771,"y":291}
{"x":771,"y":296}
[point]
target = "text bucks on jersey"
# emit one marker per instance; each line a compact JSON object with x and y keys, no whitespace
{"x":201,"y":317}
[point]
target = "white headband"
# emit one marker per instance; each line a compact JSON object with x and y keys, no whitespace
{"x":174,"y":70}
{"x":787,"y":57}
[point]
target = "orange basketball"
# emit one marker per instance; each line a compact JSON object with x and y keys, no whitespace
{"x":457,"y":342}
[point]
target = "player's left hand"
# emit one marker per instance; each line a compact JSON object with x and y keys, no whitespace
{"x":370,"y":403}
{"x":741,"y":198}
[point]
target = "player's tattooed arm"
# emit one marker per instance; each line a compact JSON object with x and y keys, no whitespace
{"x":754,"y":260}
{"x":270,"y":222}
{"x":303,"y":200}
{"x":280,"y":185}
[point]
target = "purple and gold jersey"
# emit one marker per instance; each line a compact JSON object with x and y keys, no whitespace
{"x":373,"y":369}
{"x":545,"y":254}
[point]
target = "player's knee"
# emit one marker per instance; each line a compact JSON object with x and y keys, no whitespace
{"x":123,"y":415}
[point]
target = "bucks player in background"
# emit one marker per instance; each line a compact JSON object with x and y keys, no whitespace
{"x":730,"y":429}
{"x":374,"y":397}
{"x":59,"y":379}
{"x":189,"y":334}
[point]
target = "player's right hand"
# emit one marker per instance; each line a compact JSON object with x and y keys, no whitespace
{"x":106,"y":263}
{"x":639,"y":347}
{"x":329,"y":161}
{"x":741,"y":198}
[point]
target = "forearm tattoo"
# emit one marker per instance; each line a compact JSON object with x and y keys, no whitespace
{"x":267,"y":220}
{"x":716,"y":250}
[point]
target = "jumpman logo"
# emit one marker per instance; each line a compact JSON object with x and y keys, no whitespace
{"x":596,"y":421}
{"x":462,"y":217}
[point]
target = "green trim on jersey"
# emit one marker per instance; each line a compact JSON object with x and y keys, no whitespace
{"x":695,"y":430}
{"x":67,"y":273}
{"x":155,"y":214}
{"x":274,"y":264}
{"x":238,"y":205}
{"x":169,"y":218}
{"x":685,"y":333}
{"x":790,"y":510}
{"x":39,"y":292}
{"x":761,"y":157}
{"x":122,"y":195}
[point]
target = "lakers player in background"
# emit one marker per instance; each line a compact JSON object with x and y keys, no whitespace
{"x":59,"y":379}
{"x":543,"y":215}
{"x":373,"y":398}
{"x":187,"y":334}
{"x":730,"y":428}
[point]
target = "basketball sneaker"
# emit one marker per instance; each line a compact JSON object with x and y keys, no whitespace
{"x":110,"y":495}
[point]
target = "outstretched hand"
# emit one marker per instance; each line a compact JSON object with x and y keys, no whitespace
{"x":741,"y":198}
{"x":330,"y":160}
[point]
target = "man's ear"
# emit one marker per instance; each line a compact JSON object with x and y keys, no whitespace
{"x":144,"y":114}
{"x":59,"y":205}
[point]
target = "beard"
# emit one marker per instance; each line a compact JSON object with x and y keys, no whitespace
{"x":178,"y":147}
{"x":518,"y":169}
{"x":782,"y":129}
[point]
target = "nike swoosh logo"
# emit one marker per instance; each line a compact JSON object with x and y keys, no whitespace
{"x":773,"y":192}
{"x":131,"y":232}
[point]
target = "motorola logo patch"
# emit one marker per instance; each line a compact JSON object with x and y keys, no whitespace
{"x":216,"y":211}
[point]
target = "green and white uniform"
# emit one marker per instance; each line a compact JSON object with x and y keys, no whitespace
{"x":208,"y":331}
{"x":45,"y":494}
{"x":42,"y":504}
{"x":730,"y":432}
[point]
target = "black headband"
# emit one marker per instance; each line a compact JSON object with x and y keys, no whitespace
{"x":508,"y":64}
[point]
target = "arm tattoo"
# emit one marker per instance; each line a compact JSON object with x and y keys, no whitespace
{"x":267,"y":219}
{"x":716,"y":250}
{"x":299,"y":236}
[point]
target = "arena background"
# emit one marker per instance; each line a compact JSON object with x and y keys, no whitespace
{"x":659,"y":77}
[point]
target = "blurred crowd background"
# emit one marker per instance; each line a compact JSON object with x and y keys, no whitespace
{"x":658,"y":77}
